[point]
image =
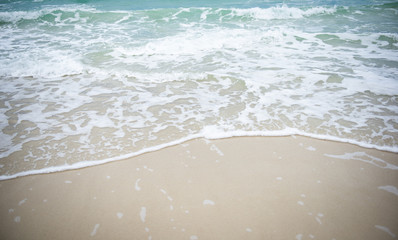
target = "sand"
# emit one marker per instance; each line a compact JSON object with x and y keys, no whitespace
{"x":236,"y":188}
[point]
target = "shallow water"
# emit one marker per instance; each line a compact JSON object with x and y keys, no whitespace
{"x":89,"y":82}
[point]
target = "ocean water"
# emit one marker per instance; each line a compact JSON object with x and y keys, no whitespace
{"x":88,"y":82}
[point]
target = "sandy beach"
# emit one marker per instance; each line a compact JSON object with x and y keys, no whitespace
{"x":199,"y":119}
{"x":236,"y":188}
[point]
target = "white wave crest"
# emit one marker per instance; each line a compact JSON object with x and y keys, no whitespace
{"x":282,"y":12}
{"x":33,"y":66}
{"x":19,"y":15}
{"x":15,"y":16}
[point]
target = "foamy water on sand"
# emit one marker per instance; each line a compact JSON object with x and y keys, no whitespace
{"x":83,"y":84}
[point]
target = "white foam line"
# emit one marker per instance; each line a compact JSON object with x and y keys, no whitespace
{"x":364,"y":157}
{"x":390,"y":189}
{"x":208,"y":133}
{"x":385,"y":229}
{"x":85,"y":164}
{"x":292,"y":131}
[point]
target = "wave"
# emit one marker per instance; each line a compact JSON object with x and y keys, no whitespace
{"x":16,"y":16}
{"x":52,"y":65}
{"x":207,"y":133}
{"x":82,"y":83}
{"x":70,"y":13}
{"x":283,"y":12}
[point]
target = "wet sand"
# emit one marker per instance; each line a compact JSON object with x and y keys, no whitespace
{"x":236,"y":188}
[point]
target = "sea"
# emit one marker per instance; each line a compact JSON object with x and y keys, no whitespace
{"x":88,"y":82}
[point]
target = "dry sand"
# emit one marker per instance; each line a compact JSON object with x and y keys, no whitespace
{"x":237,"y":188}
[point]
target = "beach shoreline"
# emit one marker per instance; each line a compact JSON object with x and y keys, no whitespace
{"x":235,"y":188}
{"x":198,"y":119}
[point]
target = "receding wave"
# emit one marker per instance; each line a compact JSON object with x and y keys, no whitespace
{"x":82,"y":86}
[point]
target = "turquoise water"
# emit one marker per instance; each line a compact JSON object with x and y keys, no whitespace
{"x":87,"y":82}
{"x":107,"y":5}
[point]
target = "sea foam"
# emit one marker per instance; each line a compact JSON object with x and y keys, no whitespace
{"x":82,"y":86}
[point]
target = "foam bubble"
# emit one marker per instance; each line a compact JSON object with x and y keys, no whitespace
{"x":208,"y":202}
{"x":136,"y":186}
{"x":143,"y":214}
